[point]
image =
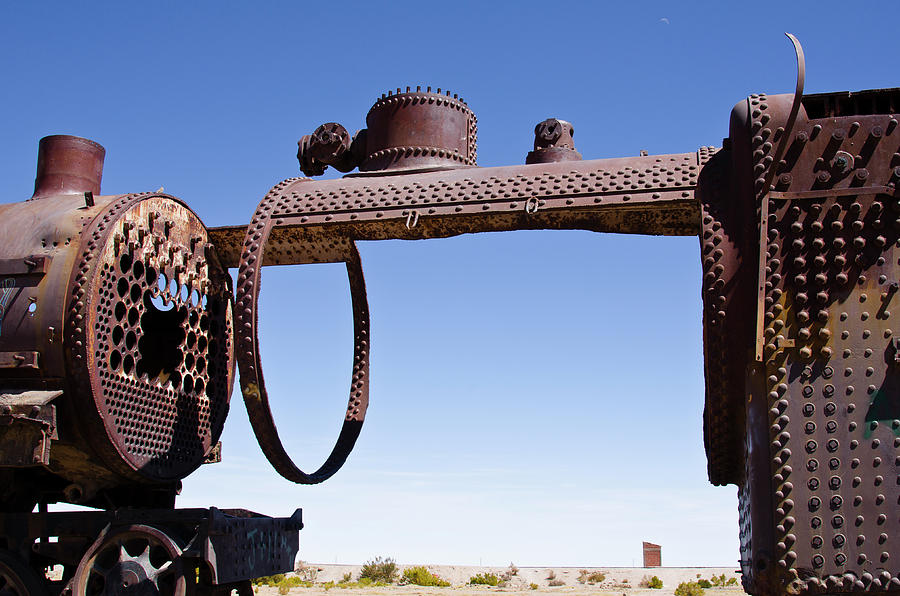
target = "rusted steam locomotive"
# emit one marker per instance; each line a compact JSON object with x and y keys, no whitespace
{"x":116,"y":368}
{"x":117,"y":345}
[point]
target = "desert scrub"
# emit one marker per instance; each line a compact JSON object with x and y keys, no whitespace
{"x":346,"y":578}
{"x":654,"y":583}
{"x":420,"y":576}
{"x":719,"y":581}
{"x":556,"y":582}
{"x":590,"y":577}
{"x":508,"y":574}
{"x":689,"y":589}
{"x":268,"y":580}
{"x":533,"y":586}
{"x":484,"y":579}
{"x":282,"y":582}
{"x":367,"y":582}
{"x":379,"y":570}
{"x":704,"y":583}
{"x":280,"y":578}
{"x":305,"y":572}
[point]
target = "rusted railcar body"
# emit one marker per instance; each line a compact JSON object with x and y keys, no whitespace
{"x":798,"y":219}
{"x":800,"y":254}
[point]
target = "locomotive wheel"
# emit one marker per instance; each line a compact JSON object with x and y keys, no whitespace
{"x":137,"y":560}
{"x":17,"y":579}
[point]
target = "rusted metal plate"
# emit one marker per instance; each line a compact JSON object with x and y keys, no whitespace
{"x":411,"y":131}
{"x":725,"y":304}
{"x":19,"y":360}
{"x":121,"y":302}
{"x":68,"y":165}
{"x":30,"y":265}
{"x":29,"y":425}
{"x":818,"y":480}
{"x":304,"y":221}
{"x":28,"y":398}
{"x":241,"y":544}
{"x":149,"y":329}
{"x":638,"y":195}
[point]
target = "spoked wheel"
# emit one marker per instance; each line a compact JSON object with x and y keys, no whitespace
{"x":17,"y":578}
{"x":137,"y":560}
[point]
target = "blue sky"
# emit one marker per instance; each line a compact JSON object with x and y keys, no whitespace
{"x":536,"y":396}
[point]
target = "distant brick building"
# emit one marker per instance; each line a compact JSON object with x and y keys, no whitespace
{"x":652,"y":555}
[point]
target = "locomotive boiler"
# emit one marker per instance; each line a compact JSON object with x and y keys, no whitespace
{"x":116,"y":368}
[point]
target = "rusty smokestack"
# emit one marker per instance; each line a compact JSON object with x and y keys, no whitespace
{"x":68,"y":165}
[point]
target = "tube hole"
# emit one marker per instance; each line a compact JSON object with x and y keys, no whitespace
{"x":161,"y":338}
{"x":160,"y":303}
{"x":130,"y":340}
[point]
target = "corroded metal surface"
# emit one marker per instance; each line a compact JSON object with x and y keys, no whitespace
{"x":301,"y":221}
{"x":252,"y":383}
{"x":116,"y":369}
{"x":817,"y":461}
{"x":553,"y":141}
{"x":133,"y":559}
{"x":411,"y":131}
{"x":106,"y":393}
{"x":158,"y":309}
{"x":209,"y":552}
{"x":68,"y":165}
{"x":125,"y":307}
{"x":635,"y":195}
{"x":798,"y":224}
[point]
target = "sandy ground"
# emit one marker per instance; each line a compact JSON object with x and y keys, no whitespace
{"x":619,"y":581}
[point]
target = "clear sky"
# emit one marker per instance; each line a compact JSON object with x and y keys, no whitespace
{"x":536,"y":396}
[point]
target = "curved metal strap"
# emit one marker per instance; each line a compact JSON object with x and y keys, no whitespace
{"x":763,"y":194}
{"x":252,"y":384}
{"x":792,"y":117}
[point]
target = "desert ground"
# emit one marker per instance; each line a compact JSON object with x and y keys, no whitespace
{"x":622,"y":581}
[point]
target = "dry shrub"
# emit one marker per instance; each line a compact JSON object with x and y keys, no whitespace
{"x":689,"y":589}
{"x":484,"y":579}
{"x":590,"y":577}
{"x":379,"y":570}
{"x":421,"y":576}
